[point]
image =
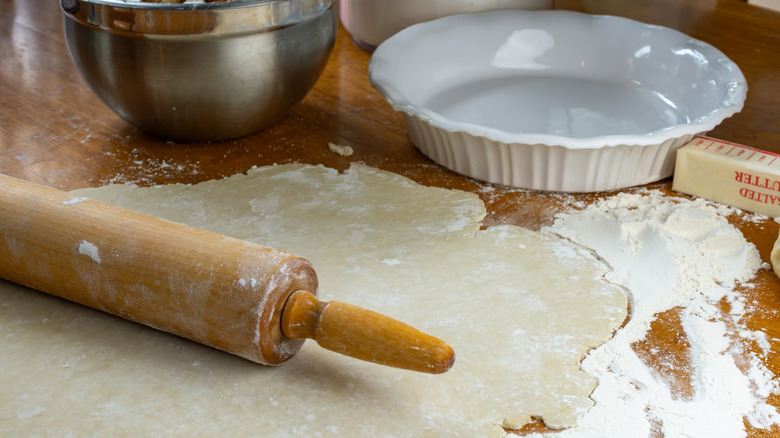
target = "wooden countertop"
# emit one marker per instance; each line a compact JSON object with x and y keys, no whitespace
{"x":54,"y":131}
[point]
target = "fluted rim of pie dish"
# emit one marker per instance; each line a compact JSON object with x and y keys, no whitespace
{"x":390,"y":58}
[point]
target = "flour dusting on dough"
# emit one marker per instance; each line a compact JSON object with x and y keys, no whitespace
{"x":380,"y":241}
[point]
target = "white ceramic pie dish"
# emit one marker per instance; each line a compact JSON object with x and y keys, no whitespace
{"x":555,"y":100}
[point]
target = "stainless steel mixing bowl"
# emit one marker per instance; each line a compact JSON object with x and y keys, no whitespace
{"x":200,"y":71}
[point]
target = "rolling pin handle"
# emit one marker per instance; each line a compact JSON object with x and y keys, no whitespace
{"x":364,"y":334}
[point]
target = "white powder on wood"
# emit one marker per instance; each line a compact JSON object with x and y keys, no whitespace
{"x":344,"y":151}
{"x":90,"y":250}
{"x":673,"y":253}
{"x":72,"y":201}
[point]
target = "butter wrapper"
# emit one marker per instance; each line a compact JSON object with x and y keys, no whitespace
{"x":729,"y":173}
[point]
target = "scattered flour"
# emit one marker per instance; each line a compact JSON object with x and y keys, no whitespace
{"x":391,"y":262}
{"x":90,"y":250}
{"x":344,"y":151}
{"x":72,"y":201}
{"x":673,"y":253}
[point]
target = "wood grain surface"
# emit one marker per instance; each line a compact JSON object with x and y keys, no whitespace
{"x":54,"y":131}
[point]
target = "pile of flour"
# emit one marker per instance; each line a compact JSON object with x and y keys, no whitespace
{"x":673,"y":254}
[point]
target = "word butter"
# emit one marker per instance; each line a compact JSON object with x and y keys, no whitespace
{"x":729,"y":173}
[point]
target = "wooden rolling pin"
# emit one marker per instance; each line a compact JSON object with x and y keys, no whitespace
{"x":253,"y":301}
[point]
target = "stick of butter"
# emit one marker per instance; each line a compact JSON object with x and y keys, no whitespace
{"x":729,"y":173}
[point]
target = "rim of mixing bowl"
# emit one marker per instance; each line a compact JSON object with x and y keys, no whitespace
{"x":137,"y":4}
{"x":220,"y":18}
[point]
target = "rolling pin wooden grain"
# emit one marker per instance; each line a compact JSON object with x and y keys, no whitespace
{"x":253,"y":301}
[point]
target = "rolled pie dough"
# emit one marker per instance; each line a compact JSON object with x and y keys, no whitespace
{"x":520,"y":308}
